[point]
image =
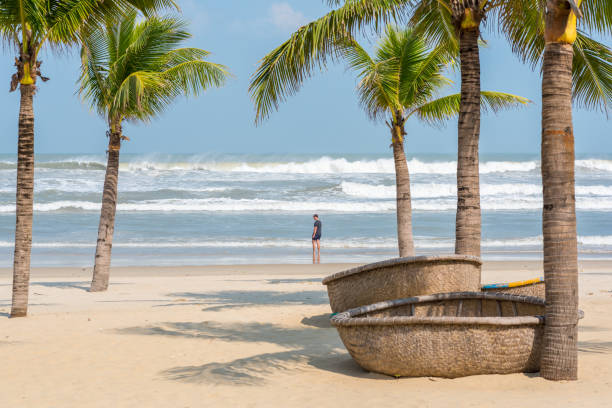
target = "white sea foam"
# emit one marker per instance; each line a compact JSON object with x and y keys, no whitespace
{"x":583,"y":241}
{"x":322,"y":165}
{"x":227,"y":205}
{"x":596,"y":240}
{"x":295,"y":206}
{"x":378,"y":243}
{"x":328,"y":165}
{"x":594,"y":165}
{"x":434,"y":190}
{"x":367,"y":190}
{"x":355,"y":243}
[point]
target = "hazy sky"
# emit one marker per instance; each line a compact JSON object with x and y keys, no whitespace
{"x":323,"y":118}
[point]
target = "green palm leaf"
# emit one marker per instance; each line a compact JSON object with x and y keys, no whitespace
{"x":134,"y":70}
{"x":592,"y":74}
{"x":438,"y":111}
{"x":282,"y":72}
{"x":522,"y":23}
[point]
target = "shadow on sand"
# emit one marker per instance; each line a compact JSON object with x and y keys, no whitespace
{"x":598,"y":347}
{"x":71,"y":285}
{"x":231,"y":299}
{"x":313,"y":346}
{"x":64,"y":285}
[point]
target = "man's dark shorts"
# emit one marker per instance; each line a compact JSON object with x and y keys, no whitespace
{"x":316,"y":238}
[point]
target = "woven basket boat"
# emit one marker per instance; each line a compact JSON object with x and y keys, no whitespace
{"x":446,"y":335}
{"x":402,"y":277}
{"x":532,"y":287}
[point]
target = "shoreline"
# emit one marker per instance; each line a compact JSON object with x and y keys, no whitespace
{"x":521,"y":267}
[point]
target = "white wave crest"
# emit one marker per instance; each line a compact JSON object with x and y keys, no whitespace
{"x":221,"y":204}
{"x":596,"y":240}
{"x":355,"y":243}
{"x":594,"y":190}
{"x":377,"y":243}
{"x":259,"y":205}
{"x":594,"y":165}
{"x":367,"y":190}
{"x":327,"y":165}
{"x":435,"y":190}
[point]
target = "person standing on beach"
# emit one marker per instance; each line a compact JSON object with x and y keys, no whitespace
{"x":316,"y":240}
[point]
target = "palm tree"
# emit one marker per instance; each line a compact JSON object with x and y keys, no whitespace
{"x":454,"y":25}
{"x":29,"y":26}
{"x":575,"y":68}
{"x":560,"y":352}
{"x":400,"y":81}
{"x":133,"y":71}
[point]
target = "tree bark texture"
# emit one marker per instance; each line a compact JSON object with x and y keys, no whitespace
{"x":404,"y":200}
{"x":24,"y":203}
{"x":559,"y":354}
{"x":106,"y":228}
{"x":468,"y":221}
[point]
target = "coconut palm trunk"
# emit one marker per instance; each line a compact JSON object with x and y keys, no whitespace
{"x":402,"y":182}
{"x":559,"y":354}
{"x":120,"y":89}
{"x":468,"y":219}
{"x":106,"y":228}
{"x":24,"y":201}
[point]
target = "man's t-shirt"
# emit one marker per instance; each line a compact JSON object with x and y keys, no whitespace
{"x":318,"y":225}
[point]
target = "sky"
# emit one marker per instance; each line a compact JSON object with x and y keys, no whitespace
{"x":323,"y":118}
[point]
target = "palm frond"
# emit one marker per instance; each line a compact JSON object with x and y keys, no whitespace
{"x":282,"y":72}
{"x":134,"y":70}
{"x":192,"y":77}
{"x":440,"y":110}
{"x":419,"y":83}
{"x":597,"y":16}
{"x":592,"y":74}
{"x":432,"y":20}
{"x":522,"y":23}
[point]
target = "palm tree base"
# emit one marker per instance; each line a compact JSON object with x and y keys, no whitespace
{"x":98,"y":287}
{"x":561,"y":343}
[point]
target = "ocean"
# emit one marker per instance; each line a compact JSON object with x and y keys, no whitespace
{"x":234,"y":209}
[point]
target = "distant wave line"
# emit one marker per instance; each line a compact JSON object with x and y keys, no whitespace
{"x":323,"y":165}
{"x":294,"y":206}
{"x":374,"y":243}
{"x":435,"y":190}
{"x":352,"y":189}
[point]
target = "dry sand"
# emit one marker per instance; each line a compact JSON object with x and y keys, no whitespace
{"x":247,"y":336}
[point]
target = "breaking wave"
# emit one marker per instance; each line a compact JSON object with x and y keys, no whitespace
{"x":356,"y":243}
{"x":433,"y":190}
{"x":493,"y":203}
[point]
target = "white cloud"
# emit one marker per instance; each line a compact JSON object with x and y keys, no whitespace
{"x":283,"y":16}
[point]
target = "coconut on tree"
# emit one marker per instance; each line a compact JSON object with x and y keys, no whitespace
{"x":401,"y":80}
{"x":132,"y":71}
{"x":30,"y":26}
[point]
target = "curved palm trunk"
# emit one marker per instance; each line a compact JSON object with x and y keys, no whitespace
{"x":468,"y":220}
{"x":559,"y":354}
{"x":404,"y":201}
{"x":106,"y":228}
{"x":25,"y":203}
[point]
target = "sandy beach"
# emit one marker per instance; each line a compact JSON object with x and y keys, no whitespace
{"x":247,"y":336}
